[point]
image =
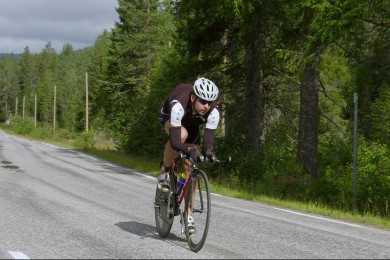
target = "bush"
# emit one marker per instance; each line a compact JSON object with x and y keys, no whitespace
{"x":86,"y":140}
{"x":21,"y":126}
{"x":373,"y":178}
{"x":44,"y":132}
{"x":66,"y":134}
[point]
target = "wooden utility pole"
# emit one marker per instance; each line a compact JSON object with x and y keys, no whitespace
{"x":24,"y":103}
{"x":355,"y":149}
{"x":54,"y":110}
{"x":35,"y":111}
{"x":16,"y":107}
{"x":86,"y":101}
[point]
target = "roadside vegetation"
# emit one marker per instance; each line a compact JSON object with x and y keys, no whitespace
{"x":106,"y":150}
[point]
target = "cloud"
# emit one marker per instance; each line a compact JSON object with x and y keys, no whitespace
{"x":34,"y":23}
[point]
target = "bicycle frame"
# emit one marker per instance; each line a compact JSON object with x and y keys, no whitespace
{"x":185,"y":186}
{"x":184,"y":190}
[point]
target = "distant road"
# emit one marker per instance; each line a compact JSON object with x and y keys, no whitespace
{"x":58,"y":203}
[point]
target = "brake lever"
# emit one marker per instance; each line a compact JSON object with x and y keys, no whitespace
{"x":228,"y":160}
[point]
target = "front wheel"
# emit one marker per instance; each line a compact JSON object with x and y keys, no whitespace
{"x":198,"y":204}
{"x":163,"y":212}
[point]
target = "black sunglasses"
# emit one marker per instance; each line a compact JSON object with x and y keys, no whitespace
{"x":204,"y":102}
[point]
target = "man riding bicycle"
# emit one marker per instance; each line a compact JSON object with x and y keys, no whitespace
{"x":183,"y":110}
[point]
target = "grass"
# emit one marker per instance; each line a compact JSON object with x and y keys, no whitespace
{"x":309,"y":208}
{"x":125,"y":159}
{"x":107,"y":151}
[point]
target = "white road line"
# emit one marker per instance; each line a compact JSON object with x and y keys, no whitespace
{"x":111,"y":165}
{"x":311,"y":216}
{"x":89,"y":157}
{"x":18,"y":255}
{"x":144,"y":175}
{"x":47,"y":144}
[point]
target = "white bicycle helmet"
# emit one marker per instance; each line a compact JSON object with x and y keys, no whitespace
{"x":206,"y":89}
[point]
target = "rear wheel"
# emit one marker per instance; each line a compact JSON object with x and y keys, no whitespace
{"x":198,"y":205}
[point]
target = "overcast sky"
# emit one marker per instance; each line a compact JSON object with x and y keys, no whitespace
{"x":34,"y":23}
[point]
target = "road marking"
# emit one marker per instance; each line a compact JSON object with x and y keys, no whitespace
{"x":47,"y":144}
{"x":144,"y":175}
{"x":311,"y":216}
{"x":18,"y":255}
{"x":111,"y":165}
{"x":89,"y":157}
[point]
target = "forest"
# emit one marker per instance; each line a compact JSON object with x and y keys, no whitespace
{"x":287,"y":72}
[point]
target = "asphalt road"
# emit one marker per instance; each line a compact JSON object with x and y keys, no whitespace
{"x":59,"y":203}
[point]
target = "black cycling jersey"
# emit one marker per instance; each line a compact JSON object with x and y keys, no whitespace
{"x":178,"y":109}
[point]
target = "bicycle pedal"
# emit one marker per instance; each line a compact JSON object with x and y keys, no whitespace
{"x":192,"y":231}
{"x":165,"y":189}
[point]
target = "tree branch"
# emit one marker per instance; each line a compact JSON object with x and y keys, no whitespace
{"x":378,"y":23}
{"x":338,"y":127}
{"x":326,"y":94}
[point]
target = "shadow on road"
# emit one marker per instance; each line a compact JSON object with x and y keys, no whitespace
{"x":145,"y":230}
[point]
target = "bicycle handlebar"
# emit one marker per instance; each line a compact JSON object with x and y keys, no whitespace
{"x":228,"y":160}
{"x":202,"y":158}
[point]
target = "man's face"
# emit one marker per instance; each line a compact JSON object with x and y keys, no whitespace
{"x":201,"y":106}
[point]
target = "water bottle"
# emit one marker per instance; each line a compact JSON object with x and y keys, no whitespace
{"x":181,"y":182}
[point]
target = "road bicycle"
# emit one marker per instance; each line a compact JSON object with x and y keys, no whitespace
{"x":196,"y":194}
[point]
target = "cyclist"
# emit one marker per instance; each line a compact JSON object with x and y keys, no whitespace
{"x":182,"y":111}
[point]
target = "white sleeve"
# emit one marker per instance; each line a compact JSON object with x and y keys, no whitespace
{"x":177,"y":113}
{"x":213,"y":119}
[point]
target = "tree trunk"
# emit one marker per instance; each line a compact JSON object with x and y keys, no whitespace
{"x":307,"y":154}
{"x":254,"y":95}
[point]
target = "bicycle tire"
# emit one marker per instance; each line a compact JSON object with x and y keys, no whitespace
{"x":162,"y":212}
{"x":200,"y":205}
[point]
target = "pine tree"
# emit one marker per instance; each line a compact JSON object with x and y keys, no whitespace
{"x":9,"y":87}
{"x":138,"y":40}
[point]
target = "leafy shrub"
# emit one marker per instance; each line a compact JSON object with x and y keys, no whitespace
{"x":66,"y":134}
{"x":86,"y":140}
{"x":43,"y":132}
{"x":21,"y":126}
{"x":373,"y":178}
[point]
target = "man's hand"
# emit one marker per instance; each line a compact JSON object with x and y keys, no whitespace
{"x":194,"y":154}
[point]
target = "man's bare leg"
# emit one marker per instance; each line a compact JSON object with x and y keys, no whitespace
{"x":169,"y":152}
{"x":169,"y":155}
